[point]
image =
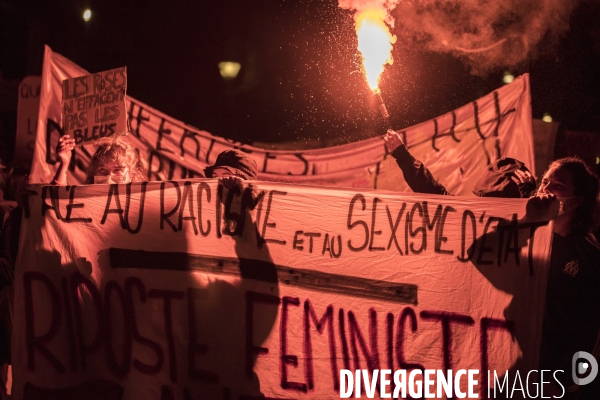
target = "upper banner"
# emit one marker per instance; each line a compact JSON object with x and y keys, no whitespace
{"x":456,"y":147}
{"x":185,"y":290}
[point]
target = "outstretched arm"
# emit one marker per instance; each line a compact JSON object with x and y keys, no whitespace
{"x":417,"y":176}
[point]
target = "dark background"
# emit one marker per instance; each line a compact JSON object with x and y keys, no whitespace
{"x":300,"y":79}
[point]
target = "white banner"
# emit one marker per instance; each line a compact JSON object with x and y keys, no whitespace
{"x":93,"y":106}
{"x":27,"y":113}
{"x":184,"y":290}
{"x":456,"y":147}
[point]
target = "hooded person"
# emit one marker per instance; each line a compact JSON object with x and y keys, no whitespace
{"x":506,"y":177}
{"x":231,"y":167}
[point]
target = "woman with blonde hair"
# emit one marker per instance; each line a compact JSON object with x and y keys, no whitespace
{"x":114,"y":161}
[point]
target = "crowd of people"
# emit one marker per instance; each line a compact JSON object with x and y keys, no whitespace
{"x":568,"y":194}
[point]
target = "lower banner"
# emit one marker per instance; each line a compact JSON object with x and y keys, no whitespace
{"x":187,"y":290}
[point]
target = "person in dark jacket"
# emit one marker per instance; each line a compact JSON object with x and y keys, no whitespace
{"x":572,"y":309}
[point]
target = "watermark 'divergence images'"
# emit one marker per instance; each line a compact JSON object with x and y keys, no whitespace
{"x":432,"y":383}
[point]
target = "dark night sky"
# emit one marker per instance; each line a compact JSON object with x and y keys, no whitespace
{"x":300,"y":76}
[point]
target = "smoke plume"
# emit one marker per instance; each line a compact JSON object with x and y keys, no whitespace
{"x":485,"y":34}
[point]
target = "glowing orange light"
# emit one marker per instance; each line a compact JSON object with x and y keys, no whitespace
{"x":374,"y":42}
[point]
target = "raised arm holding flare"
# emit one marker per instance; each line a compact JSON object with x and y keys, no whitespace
{"x":506,"y":177}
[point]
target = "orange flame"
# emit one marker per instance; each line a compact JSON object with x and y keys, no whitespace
{"x":374,"y":42}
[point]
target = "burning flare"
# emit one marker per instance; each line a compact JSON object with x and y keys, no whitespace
{"x":374,"y":42}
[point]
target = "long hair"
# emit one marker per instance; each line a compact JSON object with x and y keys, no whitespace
{"x":585,"y":187}
{"x":117,"y":151}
